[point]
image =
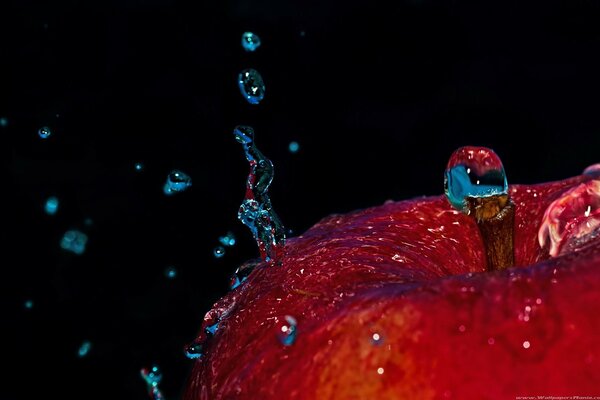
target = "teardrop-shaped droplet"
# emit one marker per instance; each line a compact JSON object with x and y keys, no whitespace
{"x":84,"y":349}
{"x":251,"y":85}
{"x":51,"y":205}
{"x":74,"y":241}
{"x":286,"y":330}
{"x":250,"y":41}
{"x":219,"y":251}
{"x":177,"y":181}
{"x":44,"y":132}
{"x":228,"y":239}
{"x":473,"y":172}
{"x":194,"y":350}
{"x":573,"y":220}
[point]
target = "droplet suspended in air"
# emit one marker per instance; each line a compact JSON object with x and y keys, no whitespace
{"x":51,"y":205}
{"x":250,"y":41}
{"x":219,"y":251}
{"x":28,"y":304}
{"x":251,"y":85}
{"x":228,"y":239}
{"x":84,"y":349}
{"x":241,"y":273}
{"x":139,"y":166}
{"x":171,"y":272}
{"x":294,"y":147}
{"x":177,"y":181}
{"x":194,"y":350}
{"x":44,"y":132}
{"x":3,"y":122}
{"x":74,"y":241}
{"x":286,"y":330}
{"x":473,"y":172}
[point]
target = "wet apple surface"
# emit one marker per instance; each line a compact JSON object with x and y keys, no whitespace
{"x":395,"y":302}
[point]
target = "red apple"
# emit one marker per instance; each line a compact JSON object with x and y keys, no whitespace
{"x":394,"y":302}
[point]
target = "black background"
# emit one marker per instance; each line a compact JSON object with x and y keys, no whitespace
{"x":377,"y":95}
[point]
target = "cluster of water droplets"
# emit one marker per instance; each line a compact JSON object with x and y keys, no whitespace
{"x":152,"y":376}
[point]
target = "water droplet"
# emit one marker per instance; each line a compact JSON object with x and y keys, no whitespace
{"x":250,"y":41}
{"x":376,"y":339}
{"x":256,"y":211}
{"x":152,"y":377}
{"x":302,"y":33}
{"x":526,"y":344}
{"x":51,"y":205}
{"x":44,"y":132}
{"x":170,"y":272}
{"x":227,"y":240}
{"x":251,"y":86}
{"x":287,"y":330}
{"x":592,"y":169}
{"x":84,"y":349}
{"x":194,"y":350}
{"x":177,"y":181}
{"x":380,"y":371}
{"x":473,"y":172}
{"x":294,"y":147}
{"x":212,"y":329}
{"x":219,"y":251}
{"x":139,"y":166}
{"x":242,"y":273}
{"x":74,"y":241}
{"x":28,"y":304}
{"x":88,"y":222}
{"x":3,"y":122}
{"x":573,"y":220}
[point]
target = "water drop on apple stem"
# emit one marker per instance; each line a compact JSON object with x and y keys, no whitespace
{"x":256,"y":211}
{"x":475,"y":183}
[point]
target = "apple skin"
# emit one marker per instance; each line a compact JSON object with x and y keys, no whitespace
{"x":412,"y":272}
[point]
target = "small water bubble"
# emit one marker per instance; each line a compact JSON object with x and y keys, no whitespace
{"x":3,"y":122}
{"x":250,"y":41}
{"x":219,"y":251}
{"x":74,"y":241}
{"x":228,"y":239}
{"x":251,"y":85}
{"x":294,"y":147}
{"x":84,"y":349}
{"x":473,"y":172}
{"x":51,"y":205}
{"x":194,"y":350}
{"x":177,"y":181}
{"x":287,"y":330}
{"x":526,"y":344}
{"x":28,"y":304}
{"x":44,"y":132}
{"x":139,"y":166}
{"x":170,"y":272}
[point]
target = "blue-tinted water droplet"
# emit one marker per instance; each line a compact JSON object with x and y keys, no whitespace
{"x":51,"y":205}
{"x":473,"y":172}
{"x":241,"y":273}
{"x":294,"y":147}
{"x":3,"y":122}
{"x":250,"y":41}
{"x":139,"y":166}
{"x":302,"y":33}
{"x":251,"y":85}
{"x":28,"y":304}
{"x":287,"y":330}
{"x":84,"y":349}
{"x":219,"y":251}
{"x":44,"y":132}
{"x":194,"y":350}
{"x":228,"y":239}
{"x":74,"y":241}
{"x":212,"y":329}
{"x":152,"y":377}
{"x":256,"y":211}
{"x":177,"y":181}
{"x":88,"y":222}
{"x":170,"y":272}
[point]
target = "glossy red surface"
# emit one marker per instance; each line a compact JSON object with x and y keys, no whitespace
{"x":411,"y":272}
{"x":480,"y":159}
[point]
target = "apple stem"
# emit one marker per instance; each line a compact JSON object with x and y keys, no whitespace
{"x":495,"y":217}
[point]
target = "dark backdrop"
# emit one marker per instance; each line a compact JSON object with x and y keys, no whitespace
{"x":377,"y":96}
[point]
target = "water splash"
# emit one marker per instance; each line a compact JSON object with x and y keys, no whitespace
{"x":250,"y":41}
{"x":44,"y":132}
{"x":74,"y":241}
{"x":251,"y":86}
{"x":152,"y":377}
{"x":177,"y":181}
{"x":51,"y":205}
{"x":84,"y":349}
{"x":286,"y":330}
{"x":256,"y":211}
{"x":227,"y":240}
